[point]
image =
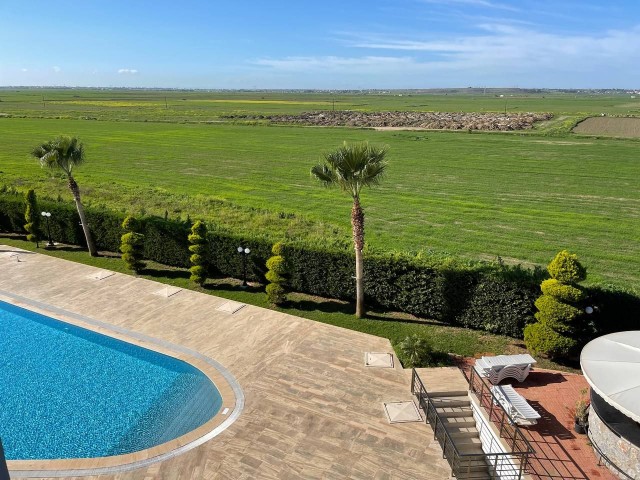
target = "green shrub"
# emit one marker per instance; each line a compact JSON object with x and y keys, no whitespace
{"x":488,"y":296}
{"x":555,"y":312}
{"x":499,"y":307}
{"x":275,"y":290}
{"x":276,"y":294}
{"x":132,"y":244}
{"x":543,"y":340}
{"x":32,"y":217}
{"x":566,"y":269}
{"x":561,"y":291}
{"x":559,"y":312}
{"x":416,"y":351}
{"x":198,"y":248}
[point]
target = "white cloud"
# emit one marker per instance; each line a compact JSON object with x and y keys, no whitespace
{"x":56,"y":69}
{"x":331,"y":62}
{"x":473,"y":3}
{"x":498,"y":54}
{"x":129,"y":71}
{"x":24,"y":70}
{"x":520,"y":47}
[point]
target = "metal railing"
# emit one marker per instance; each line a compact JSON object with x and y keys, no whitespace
{"x":507,"y":427}
{"x":500,"y":465}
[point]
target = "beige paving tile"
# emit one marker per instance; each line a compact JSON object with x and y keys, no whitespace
{"x":313,"y":409}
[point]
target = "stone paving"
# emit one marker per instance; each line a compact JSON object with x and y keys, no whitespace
{"x":312,"y":408}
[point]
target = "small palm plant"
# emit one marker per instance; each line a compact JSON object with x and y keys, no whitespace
{"x":416,"y":351}
{"x":352,"y":167}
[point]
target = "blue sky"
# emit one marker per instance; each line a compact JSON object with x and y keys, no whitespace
{"x":321,"y":44}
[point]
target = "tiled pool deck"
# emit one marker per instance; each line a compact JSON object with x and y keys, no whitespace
{"x":312,"y":409}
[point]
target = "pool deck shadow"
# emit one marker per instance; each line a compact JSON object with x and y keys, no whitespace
{"x":312,"y":409}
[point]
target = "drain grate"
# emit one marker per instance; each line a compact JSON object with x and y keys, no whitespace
{"x":101,"y":275}
{"x":167,"y":291}
{"x":231,"y":307}
{"x":380,"y":360}
{"x":402,"y":412}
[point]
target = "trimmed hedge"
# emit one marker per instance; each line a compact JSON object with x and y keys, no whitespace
{"x":493,"y":297}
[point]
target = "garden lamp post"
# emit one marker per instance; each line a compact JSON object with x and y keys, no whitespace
{"x":47,"y":215}
{"x":244,"y":251}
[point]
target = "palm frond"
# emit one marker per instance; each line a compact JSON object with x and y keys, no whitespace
{"x":325,"y":174}
{"x":62,"y":153}
{"x":353,"y":166}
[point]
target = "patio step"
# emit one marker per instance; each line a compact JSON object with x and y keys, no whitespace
{"x":456,"y":416}
{"x":443,"y":402}
{"x":458,"y":422}
{"x":468,"y":441}
{"x":474,"y":475}
{"x":456,"y":436}
{"x":471,"y":449}
{"x":455,"y":412}
{"x":453,"y":408}
{"x":451,"y":393}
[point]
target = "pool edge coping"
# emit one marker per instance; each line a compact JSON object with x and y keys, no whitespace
{"x":143,"y":341}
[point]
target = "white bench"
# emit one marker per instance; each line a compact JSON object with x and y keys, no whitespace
{"x":515,"y":405}
{"x":505,"y":366}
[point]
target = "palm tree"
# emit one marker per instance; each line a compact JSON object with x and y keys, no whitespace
{"x":64,"y":153}
{"x":352,"y":167}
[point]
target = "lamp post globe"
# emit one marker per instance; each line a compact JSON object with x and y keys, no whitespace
{"x":47,"y":215}
{"x":244,"y":251}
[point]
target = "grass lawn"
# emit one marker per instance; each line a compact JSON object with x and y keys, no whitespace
{"x":203,"y":106}
{"x":480,"y":195}
{"x":394,"y":326}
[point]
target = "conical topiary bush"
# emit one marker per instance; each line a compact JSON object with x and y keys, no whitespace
{"x":132,"y":244}
{"x":198,"y":249}
{"x":559,"y":309}
{"x":276,"y":289}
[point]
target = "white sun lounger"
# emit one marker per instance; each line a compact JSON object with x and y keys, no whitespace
{"x":505,"y":366}
{"x":515,"y":405}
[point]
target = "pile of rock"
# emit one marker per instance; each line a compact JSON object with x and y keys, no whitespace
{"x":427,"y":120}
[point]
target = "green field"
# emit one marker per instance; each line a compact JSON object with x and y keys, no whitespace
{"x":199,"y":106}
{"x":522,"y":197}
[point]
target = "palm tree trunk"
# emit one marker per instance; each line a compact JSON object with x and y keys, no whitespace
{"x":357,"y":222}
{"x":73,"y":186}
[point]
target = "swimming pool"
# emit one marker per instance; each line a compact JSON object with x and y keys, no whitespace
{"x":69,"y":392}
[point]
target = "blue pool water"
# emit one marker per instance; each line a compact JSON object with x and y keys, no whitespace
{"x":68,"y":392}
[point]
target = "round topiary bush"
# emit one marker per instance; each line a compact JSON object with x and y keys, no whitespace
{"x":132,"y":244}
{"x":559,"y":310}
{"x":276,"y":276}
{"x":198,"y":249}
{"x":541,"y":339}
